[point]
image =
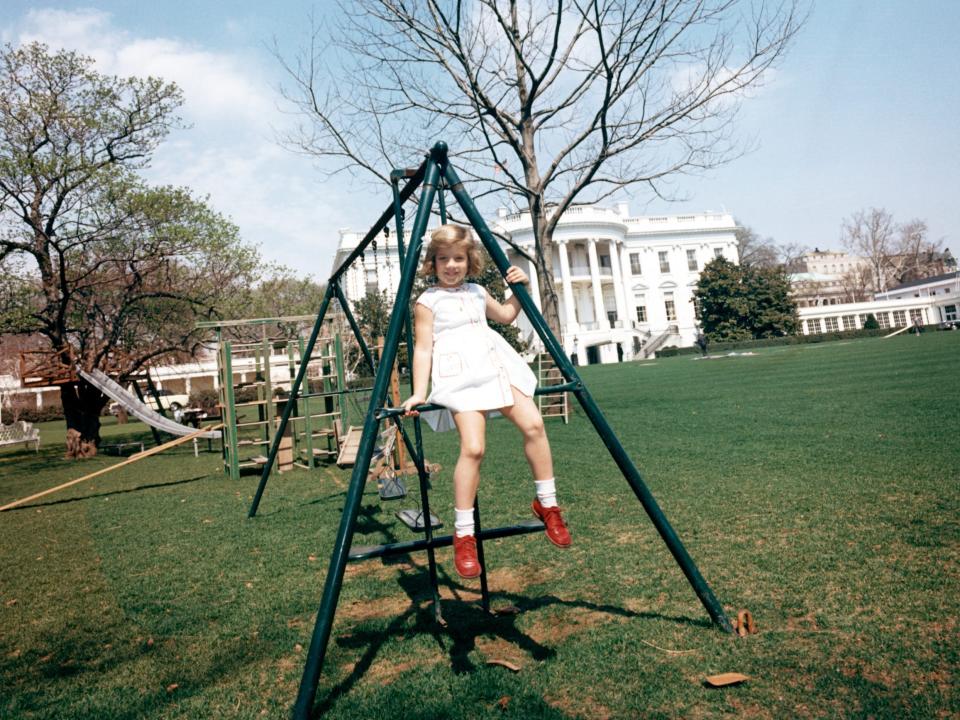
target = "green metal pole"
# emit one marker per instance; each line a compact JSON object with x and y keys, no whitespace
{"x":291,"y":402}
{"x":231,"y":410}
{"x":423,"y":477}
{"x":338,"y":561}
{"x":341,"y":383}
{"x":609,"y":439}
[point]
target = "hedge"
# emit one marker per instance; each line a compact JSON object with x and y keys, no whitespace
{"x":722,"y":347}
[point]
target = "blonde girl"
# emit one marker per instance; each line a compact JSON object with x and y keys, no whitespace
{"x":472,"y":371}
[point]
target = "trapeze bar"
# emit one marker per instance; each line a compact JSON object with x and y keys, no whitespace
{"x":391,"y":412}
{"x":365,"y":552}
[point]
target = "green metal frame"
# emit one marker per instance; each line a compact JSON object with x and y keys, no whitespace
{"x":434,"y":173}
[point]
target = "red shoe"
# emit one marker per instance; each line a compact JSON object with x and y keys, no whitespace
{"x":465,"y":556}
{"x":557,"y":531}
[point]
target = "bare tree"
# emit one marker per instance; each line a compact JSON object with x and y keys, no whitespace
{"x":872,"y":235}
{"x":543,"y":103}
{"x":857,"y":283}
{"x":917,"y":256}
{"x":755,"y":250}
{"x":895,"y":253}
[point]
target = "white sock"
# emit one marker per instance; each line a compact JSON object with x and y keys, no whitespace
{"x":546,"y":492}
{"x":464,"y":522}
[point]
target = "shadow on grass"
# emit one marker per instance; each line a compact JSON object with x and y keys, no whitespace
{"x":465,"y":622}
{"x":138,"y":488}
{"x":81,"y":651}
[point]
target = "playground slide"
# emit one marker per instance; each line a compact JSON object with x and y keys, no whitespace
{"x":136,"y":408}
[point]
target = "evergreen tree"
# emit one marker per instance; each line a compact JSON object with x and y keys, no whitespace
{"x":736,"y":302}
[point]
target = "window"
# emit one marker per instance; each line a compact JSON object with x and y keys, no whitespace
{"x":635,"y":263}
{"x":831,"y":323}
{"x":669,"y":306}
{"x":863,"y":319}
{"x":641,"y":313}
{"x":916,"y":316}
{"x":899,"y":318}
{"x":813,"y":326}
{"x":718,"y":252}
{"x":849,"y":322}
{"x":883,"y":320}
{"x":692,"y":260}
{"x":664,"y":262}
{"x":612,"y":318}
{"x":605,"y":261}
{"x":950,"y":313}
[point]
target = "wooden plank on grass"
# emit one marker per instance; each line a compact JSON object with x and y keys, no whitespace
{"x":129,"y":461}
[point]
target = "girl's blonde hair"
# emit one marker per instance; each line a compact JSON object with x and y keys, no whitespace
{"x":451,"y":236}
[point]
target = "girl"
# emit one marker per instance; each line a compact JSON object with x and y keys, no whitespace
{"x":472,"y":370}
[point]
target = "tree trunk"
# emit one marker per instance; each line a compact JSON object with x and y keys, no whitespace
{"x":82,"y":405}
{"x":543,"y":246}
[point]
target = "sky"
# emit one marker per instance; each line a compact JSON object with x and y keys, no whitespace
{"x":862,"y":113}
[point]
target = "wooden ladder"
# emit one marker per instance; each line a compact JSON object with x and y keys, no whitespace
{"x":548,"y":373}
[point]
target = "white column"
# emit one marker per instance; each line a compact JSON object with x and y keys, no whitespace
{"x":570,"y":316}
{"x":534,"y":283}
{"x":625,"y":273}
{"x":618,"y":282}
{"x":599,"y":314}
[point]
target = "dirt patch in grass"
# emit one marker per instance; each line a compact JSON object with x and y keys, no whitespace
{"x":572,"y":622}
{"x":385,"y":672}
{"x":578,"y":706}
{"x":388,"y":607}
{"x":496,"y":648}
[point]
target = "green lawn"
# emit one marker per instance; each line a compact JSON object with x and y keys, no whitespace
{"x":816,"y":485}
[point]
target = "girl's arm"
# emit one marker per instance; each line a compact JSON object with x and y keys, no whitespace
{"x":507,"y":312}
{"x":422,"y":356}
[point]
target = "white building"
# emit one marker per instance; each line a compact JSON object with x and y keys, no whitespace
{"x":622,"y":281}
{"x":930,"y":301}
{"x":827,"y":277}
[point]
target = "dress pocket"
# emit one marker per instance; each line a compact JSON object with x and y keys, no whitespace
{"x":449,"y":365}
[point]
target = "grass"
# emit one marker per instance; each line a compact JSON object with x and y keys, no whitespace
{"x":815,"y":485}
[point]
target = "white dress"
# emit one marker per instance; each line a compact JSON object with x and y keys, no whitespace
{"x":473,"y":366}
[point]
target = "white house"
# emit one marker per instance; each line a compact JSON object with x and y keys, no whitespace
{"x":622,"y":281}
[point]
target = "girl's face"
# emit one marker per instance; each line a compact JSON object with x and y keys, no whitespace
{"x":451,"y":265}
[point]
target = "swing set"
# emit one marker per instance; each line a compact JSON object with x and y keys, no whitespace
{"x":435,"y":173}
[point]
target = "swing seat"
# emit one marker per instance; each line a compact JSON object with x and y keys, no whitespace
{"x":413,"y":519}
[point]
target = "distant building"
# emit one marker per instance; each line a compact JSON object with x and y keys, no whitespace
{"x":622,"y":281}
{"x":931,"y":301}
{"x":828,"y":277}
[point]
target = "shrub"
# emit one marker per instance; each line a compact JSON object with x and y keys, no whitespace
{"x":207,"y":400}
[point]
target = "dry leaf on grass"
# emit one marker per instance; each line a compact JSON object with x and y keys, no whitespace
{"x":172,"y":686}
{"x":724,"y":679}
{"x":504,"y":663}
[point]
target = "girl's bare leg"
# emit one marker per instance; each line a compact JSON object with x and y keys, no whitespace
{"x":472,"y":426}
{"x":525,"y":415}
